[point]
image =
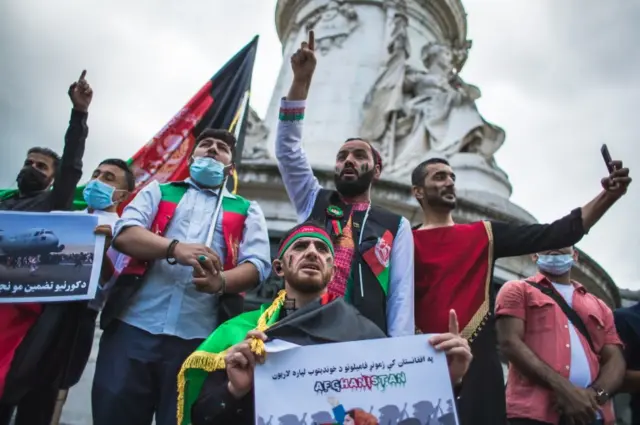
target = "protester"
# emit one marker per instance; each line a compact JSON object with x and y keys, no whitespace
{"x":31,"y":360}
{"x":306,"y":262}
{"x":170,"y":298}
{"x":374,"y":247}
{"x":564,"y":354}
{"x":110,"y":184}
{"x":628,"y":326}
{"x":454,"y":270}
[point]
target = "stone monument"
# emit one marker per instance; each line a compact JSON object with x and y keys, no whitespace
{"x":388,"y":71}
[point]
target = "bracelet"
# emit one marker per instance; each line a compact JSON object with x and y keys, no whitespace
{"x":223,"y":285}
{"x":170,"y":249}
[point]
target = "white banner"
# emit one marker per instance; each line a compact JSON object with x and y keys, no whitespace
{"x":400,"y":381}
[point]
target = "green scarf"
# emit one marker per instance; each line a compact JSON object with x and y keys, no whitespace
{"x":78,"y":199}
{"x":210,"y":355}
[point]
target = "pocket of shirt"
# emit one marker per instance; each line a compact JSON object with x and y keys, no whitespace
{"x":596,"y":329}
{"x":540,"y":315}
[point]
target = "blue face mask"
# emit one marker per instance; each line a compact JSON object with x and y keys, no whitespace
{"x":98,"y":195}
{"x":555,"y":265}
{"x":207,"y":171}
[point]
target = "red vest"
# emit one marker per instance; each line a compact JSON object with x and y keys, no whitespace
{"x":234,"y":215}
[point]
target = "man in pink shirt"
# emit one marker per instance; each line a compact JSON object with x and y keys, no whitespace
{"x":561,"y":371}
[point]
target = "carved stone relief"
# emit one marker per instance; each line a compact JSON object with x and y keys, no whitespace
{"x":411,"y":112}
{"x":332,"y":24}
{"x":255,"y":140}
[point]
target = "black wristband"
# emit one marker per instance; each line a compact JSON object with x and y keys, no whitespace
{"x":172,"y":247}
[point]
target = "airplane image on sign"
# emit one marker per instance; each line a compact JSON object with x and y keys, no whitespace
{"x":31,"y":242}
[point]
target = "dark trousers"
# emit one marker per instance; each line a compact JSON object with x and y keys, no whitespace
{"x":35,"y":408}
{"x":532,"y":422}
{"x":136,"y":376}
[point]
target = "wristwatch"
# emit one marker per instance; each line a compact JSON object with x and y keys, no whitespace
{"x":601,"y":395}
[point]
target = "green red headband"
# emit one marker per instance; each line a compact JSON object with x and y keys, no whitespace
{"x":305,"y":232}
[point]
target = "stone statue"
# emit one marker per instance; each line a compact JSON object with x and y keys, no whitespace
{"x":387,"y":97}
{"x":413,"y":112}
{"x":332,"y":24}
{"x":255,"y":139}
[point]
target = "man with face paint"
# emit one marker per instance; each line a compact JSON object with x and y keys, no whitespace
{"x":28,"y":332}
{"x":556,"y":374}
{"x":454,"y":270}
{"x":374,"y":247}
{"x":304,"y":313}
{"x":177,"y":288}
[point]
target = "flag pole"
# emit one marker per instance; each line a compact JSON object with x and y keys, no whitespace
{"x":216,"y":213}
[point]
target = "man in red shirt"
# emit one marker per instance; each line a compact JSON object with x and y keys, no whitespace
{"x":561,"y":371}
{"x":454,"y":269}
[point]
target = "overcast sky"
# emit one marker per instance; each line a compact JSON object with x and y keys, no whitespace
{"x":560,"y":77}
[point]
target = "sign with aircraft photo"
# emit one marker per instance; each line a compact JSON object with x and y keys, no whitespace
{"x":49,"y":257}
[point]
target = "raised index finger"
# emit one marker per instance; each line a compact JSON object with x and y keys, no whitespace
{"x":453,"y":323}
{"x":312,"y":40}
{"x":84,"y":73}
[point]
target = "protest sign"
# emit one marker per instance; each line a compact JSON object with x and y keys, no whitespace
{"x":401,"y":381}
{"x":49,"y":257}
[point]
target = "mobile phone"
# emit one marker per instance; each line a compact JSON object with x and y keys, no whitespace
{"x":607,"y":158}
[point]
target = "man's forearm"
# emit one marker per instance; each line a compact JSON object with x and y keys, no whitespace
{"x":528,"y":363}
{"x":612,"y":370}
{"x":242,"y":278}
{"x":299,"y":90}
{"x":594,"y":210}
{"x":631,"y":383}
{"x":70,"y":171}
{"x":139,"y":243}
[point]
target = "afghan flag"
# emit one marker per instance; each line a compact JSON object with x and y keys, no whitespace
{"x":328,"y":320}
{"x":223,"y":102}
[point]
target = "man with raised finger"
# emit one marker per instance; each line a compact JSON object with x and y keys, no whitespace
{"x":32,"y":335}
{"x":304,"y":313}
{"x":177,"y":288}
{"x":374,"y":247}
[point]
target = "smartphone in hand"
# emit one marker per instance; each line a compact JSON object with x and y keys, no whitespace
{"x":607,"y":158}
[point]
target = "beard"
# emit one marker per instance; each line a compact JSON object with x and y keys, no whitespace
{"x":351,"y":188}
{"x":439,"y":200}
{"x":307,"y":284}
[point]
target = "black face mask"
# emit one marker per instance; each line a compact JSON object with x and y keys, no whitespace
{"x":351,"y":188}
{"x":31,"y":180}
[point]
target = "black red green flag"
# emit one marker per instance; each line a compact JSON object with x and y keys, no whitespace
{"x":223,"y":102}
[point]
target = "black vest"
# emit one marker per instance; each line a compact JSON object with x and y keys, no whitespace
{"x":370,"y":299}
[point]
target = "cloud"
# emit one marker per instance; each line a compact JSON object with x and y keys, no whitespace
{"x":561,"y":78}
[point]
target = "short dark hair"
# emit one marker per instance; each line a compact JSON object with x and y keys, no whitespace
{"x":128,"y":174}
{"x":377,"y":158}
{"x":220,"y":134}
{"x":47,"y":152}
{"x":420,"y":172}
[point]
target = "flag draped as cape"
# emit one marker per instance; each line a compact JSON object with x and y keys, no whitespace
{"x":324,"y":321}
{"x":223,"y":102}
